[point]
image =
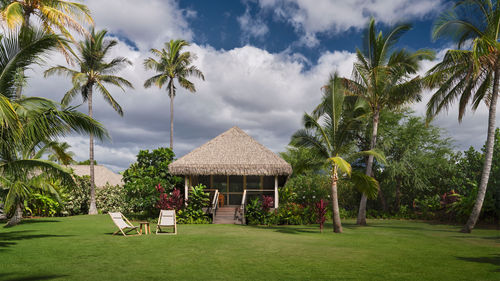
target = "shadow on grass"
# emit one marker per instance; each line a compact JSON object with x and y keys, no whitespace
{"x":288,"y":229}
{"x":6,"y":277}
{"x":494,"y":260}
{"x":5,"y":237}
{"x":413,"y":228}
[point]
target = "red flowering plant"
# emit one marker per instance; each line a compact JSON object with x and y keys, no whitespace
{"x":172,"y":201}
{"x":321,"y":208}
{"x":267,"y":203}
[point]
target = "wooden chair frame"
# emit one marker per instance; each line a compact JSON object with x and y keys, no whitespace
{"x":158,"y":226}
{"x":130,"y":227}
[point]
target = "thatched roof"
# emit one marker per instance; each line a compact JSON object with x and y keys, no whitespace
{"x":231,"y":153}
{"x":102,"y":174}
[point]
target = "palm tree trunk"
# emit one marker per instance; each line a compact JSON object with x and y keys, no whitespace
{"x":172,"y":115}
{"x":93,"y":207}
{"x":490,"y":142}
{"x":18,"y":215}
{"x":337,"y":225}
{"x":369,"y":166}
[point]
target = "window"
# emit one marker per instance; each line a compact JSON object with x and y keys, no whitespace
{"x":235,"y":183}
{"x":268,"y":182}
{"x":220,"y":182}
{"x":253,"y":182}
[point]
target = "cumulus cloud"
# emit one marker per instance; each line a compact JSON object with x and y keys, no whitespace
{"x":148,"y":24}
{"x":262,"y":92}
{"x":326,"y":16}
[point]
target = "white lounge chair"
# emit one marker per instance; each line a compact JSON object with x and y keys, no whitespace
{"x":123,"y":224}
{"x":166,"y":219}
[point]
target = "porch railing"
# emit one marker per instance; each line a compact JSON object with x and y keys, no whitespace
{"x":240,"y":211}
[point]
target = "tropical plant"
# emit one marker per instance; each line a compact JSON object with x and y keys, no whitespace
{"x":141,"y":178}
{"x":171,"y":64}
{"x":382,"y":76}
{"x":36,"y":121}
{"x":321,"y":209}
{"x":94,"y":73}
{"x":111,"y":198}
{"x":58,"y":152}
{"x":329,"y":134}
{"x":52,"y":14}
{"x":303,"y":161}
{"x":471,"y":75}
{"x":194,"y":210}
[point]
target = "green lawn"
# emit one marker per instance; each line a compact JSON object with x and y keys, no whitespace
{"x":82,"y":248}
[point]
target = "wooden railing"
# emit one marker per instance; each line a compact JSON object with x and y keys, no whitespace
{"x":239,"y":214}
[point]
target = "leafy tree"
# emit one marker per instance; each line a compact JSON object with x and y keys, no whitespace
{"x":472,"y":75}
{"x":302,"y":159}
{"x":141,"y":178}
{"x":382,"y":76}
{"x":94,"y":73}
{"x":417,"y":156}
{"x":171,"y":64}
{"x":328,"y":133}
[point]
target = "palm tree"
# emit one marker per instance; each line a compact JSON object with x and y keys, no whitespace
{"x":382,"y":77}
{"x":22,"y":172}
{"x":53,"y":14}
{"x":94,"y":73}
{"x":329,"y":134}
{"x":471,"y":76}
{"x":170,"y":64}
{"x":59,"y":152}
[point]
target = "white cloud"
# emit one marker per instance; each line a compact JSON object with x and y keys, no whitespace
{"x":335,"y":16}
{"x":147,"y":24}
{"x":251,"y":27}
{"x":264,"y":93}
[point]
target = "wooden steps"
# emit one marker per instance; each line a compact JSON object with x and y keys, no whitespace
{"x":225,"y":215}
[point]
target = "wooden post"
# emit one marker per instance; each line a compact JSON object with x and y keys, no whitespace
{"x":276,"y":196}
{"x":186,"y":189}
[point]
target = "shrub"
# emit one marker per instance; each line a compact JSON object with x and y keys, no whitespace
{"x":290,"y":213}
{"x":42,"y":205}
{"x":77,"y":198}
{"x":257,"y":211}
{"x":142,"y":177}
{"x":172,"y":201}
{"x":193,"y":212}
{"x":111,"y":198}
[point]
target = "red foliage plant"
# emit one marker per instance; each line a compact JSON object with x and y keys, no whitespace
{"x":321,"y":211}
{"x":267,"y":203}
{"x":174,"y":201}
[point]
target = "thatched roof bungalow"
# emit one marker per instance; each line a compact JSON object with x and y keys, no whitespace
{"x":102,"y":174}
{"x":234,"y":164}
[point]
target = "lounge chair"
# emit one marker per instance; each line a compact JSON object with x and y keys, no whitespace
{"x":166,"y":219}
{"x":123,"y":224}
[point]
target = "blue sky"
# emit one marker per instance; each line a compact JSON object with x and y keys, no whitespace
{"x":218,"y":25}
{"x":264,"y":62}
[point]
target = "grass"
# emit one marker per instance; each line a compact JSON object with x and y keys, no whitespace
{"x":82,"y":248}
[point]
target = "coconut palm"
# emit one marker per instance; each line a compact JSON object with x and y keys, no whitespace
{"x":329,"y":134}
{"x":59,"y":152}
{"x":171,"y":63}
{"x":21,"y":170}
{"x":469,"y":75}
{"x":382,"y":77}
{"x":53,"y":14}
{"x":94,"y":73}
